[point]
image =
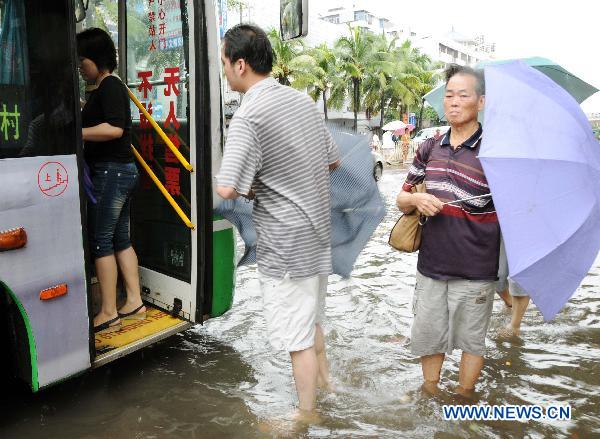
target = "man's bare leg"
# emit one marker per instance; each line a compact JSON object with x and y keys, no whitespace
{"x":506,"y":297}
{"x":431,"y":365}
{"x":306,"y":370}
{"x":323,"y":381}
{"x":470,"y":368}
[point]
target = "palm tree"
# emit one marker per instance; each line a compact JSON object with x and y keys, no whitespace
{"x":316,"y":72}
{"x":284,"y":52}
{"x":429,"y":78}
{"x":393,"y":78}
{"x":356,"y":52}
{"x":407,"y":85}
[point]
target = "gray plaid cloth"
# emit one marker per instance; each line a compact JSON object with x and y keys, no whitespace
{"x":357,"y":207}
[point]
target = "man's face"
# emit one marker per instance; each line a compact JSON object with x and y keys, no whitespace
{"x":231,"y":72}
{"x":461,"y":103}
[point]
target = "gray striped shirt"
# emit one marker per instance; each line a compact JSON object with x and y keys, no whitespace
{"x":279,"y":146}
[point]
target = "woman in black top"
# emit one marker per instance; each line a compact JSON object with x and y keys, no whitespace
{"x":106,"y":119}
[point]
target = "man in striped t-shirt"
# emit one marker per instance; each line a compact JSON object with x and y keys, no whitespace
{"x":279,"y":151}
{"x":458,"y":258}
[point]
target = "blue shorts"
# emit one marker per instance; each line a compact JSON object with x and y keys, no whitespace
{"x":108,"y":218}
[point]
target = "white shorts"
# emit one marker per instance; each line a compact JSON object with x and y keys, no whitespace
{"x":292,"y":308}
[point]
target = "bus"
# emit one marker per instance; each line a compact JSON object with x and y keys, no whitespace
{"x":169,"y":59}
{"x":168,"y":54}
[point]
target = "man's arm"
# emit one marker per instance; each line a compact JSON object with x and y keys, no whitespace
{"x":241,"y":161}
{"x":334,"y":165}
{"x":229,"y":193}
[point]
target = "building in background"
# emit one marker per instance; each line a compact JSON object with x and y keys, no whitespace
{"x":327,"y":25}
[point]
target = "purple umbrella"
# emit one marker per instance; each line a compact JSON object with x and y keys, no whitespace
{"x":543,"y":166}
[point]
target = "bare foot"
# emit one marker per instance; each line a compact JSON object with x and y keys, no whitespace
{"x":508,"y":332}
{"x":465,"y":393}
{"x":103,"y":318}
{"x":431,"y":388}
{"x":290,"y":426}
{"x":129,"y":307}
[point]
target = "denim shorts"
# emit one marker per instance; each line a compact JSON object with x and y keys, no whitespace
{"x":108,"y":218}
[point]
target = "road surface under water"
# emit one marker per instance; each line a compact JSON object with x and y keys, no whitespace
{"x":223,"y":380}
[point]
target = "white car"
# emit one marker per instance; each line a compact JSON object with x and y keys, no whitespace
{"x":426,"y":133}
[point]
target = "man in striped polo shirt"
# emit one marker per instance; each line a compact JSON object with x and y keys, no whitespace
{"x":279,"y":151}
{"x":458,"y":258}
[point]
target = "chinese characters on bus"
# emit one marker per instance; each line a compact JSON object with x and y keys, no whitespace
{"x":171,"y":126}
{"x":159,"y":23}
{"x":9,"y":123}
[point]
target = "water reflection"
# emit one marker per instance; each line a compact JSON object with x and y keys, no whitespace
{"x":379,"y":381}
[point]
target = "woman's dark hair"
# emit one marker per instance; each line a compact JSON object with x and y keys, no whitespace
{"x":250,"y":43}
{"x":96,"y":45}
{"x":455,"y":69}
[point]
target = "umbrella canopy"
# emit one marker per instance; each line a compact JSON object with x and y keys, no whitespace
{"x":543,"y":167}
{"x":579,"y":89}
{"x":393,"y":125}
{"x":357,"y":207}
{"x":400,"y":131}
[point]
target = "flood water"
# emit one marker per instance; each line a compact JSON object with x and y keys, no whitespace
{"x":223,"y":380}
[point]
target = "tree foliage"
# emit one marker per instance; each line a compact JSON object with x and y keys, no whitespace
{"x":379,"y":76}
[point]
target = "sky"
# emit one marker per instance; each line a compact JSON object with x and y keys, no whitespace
{"x":567,"y":32}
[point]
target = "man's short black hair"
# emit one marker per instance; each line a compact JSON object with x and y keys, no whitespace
{"x":455,"y":69}
{"x":96,"y":45}
{"x":250,"y":43}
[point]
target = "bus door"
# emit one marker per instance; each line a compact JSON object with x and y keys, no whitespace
{"x":156,"y":55}
{"x":169,"y":60}
{"x":44,"y":324}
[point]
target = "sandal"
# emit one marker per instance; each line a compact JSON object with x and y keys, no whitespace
{"x":134,"y":315}
{"x":108,"y":326}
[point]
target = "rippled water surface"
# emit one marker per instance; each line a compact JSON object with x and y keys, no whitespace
{"x":223,"y":380}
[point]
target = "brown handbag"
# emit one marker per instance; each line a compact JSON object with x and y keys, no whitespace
{"x":406,"y":233}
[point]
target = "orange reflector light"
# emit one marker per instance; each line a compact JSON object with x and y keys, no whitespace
{"x":53,"y":292}
{"x":12,"y":239}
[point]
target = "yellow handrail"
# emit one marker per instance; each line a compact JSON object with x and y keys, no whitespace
{"x":161,"y":187}
{"x":160,"y":132}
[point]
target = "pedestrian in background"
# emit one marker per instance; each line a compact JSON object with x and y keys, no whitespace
{"x":517,"y":297}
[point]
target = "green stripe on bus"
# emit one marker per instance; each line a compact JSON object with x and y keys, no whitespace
{"x":223,"y":271}
{"x":32,"y":350}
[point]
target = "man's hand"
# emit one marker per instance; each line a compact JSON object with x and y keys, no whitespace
{"x":427,"y":204}
{"x":250,"y":195}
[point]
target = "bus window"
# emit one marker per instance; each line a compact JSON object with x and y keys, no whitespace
{"x":37,"y":81}
{"x":157,"y":72}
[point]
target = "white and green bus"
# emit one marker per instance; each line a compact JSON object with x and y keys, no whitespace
{"x":169,"y":58}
